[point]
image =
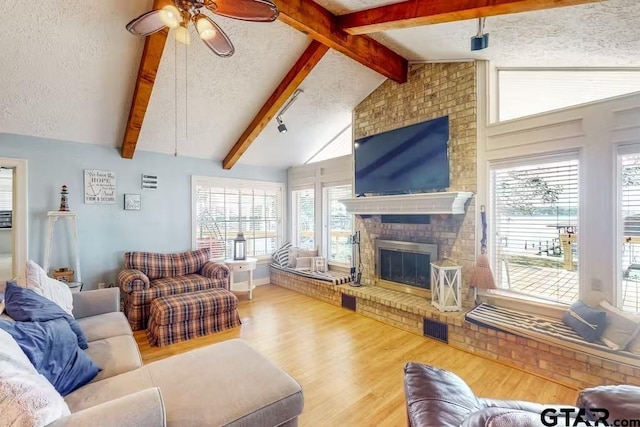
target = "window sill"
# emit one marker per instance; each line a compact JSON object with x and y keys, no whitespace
{"x":521,"y":302}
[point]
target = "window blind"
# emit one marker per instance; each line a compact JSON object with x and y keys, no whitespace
{"x":304,"y":218}
{"x":6,"y":197}
{"x":340,"y":224}
{"x":534,"y":218}
{"x":629,"y":209}
{"x":526,"y":92}
{"x":222,"y":212}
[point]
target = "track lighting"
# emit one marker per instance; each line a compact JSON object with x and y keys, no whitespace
{"x":282,"y":128}
{"x":480,"y":41}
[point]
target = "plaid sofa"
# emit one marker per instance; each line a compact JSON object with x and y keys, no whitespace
{"x":148,"y":276}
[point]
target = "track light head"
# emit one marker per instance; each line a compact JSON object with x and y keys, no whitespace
{"x":282,"y":128}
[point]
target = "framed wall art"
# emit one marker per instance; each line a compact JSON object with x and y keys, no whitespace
{"x":99,"y":187}
{"x":132,"y":202}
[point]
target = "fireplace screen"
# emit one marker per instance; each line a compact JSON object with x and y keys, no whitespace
{"x":409,"y":268}
{"x":405,"y":264}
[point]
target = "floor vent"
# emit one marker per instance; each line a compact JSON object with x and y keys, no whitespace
{"x":436,"y":330}
{"x":349,"y":302}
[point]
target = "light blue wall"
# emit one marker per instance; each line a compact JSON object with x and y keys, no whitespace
{"x":107,"y":231}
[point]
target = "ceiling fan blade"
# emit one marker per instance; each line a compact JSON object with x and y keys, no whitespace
{"x":147,"y":24}
{"x":213,"y":36}
{"x":246,"y":10}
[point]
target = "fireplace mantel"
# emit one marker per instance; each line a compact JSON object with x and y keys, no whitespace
{"x":421,"y":203}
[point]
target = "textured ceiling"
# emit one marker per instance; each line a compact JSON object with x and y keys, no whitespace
{"x":68,"y":69}
{"x":597,"y":34}
{"x":68,"y":72}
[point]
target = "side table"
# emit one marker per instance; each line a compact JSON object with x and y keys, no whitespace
{"x":248,"y":265}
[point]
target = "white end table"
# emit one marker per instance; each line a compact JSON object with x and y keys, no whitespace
{"x":248,"y":265}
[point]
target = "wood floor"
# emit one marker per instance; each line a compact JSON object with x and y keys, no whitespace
{"x":350,"y":366}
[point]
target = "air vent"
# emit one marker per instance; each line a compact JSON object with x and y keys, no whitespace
{"x":436,"y":330}
{"x":349,"y":302}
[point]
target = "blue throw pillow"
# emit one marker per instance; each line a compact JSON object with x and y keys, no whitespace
{"x":51,"y":347}
{"x":27,"y":306}
{"x":586,"y":321}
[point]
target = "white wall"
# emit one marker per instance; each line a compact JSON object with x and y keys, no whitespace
{"x":595,"y":130}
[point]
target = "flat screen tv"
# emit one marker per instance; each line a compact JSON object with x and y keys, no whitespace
{"x":411,"y":159}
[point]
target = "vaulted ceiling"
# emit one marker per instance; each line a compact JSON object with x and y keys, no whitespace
{"x":69,"y":69}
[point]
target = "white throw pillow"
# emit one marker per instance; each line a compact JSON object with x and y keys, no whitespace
{"x":620,"y":327}
{"x":52,"y":289}
{"x":304,"y":263}
{"x":26,"y":397}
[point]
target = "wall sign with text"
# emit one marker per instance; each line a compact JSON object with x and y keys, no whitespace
{"x":99,"y":187}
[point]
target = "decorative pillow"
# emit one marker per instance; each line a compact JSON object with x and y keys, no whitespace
{"x":52,"y":348}
{"x":634,"y":344}
{"x":620,"y":327}
{"x":281,"y":256}
{"x":27,"y":306}
{"x":26,"y":397}
{"x":304,"y":263}
{"x":292,"y":257}
{"x":586,"y":321}
{"x":319,"y":264}
{"x":1,"y":302}
{"x":52,"y":289}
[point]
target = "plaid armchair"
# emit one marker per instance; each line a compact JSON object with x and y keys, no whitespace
{"x":148,"y":276}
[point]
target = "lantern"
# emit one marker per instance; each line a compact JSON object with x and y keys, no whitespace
{"x":239,"y":247}
{"x":445,"y":286}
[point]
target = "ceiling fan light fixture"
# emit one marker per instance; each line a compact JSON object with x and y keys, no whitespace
{"x":170,"y":16}
{"x":206,"y":30}
{"x":182,"y":35}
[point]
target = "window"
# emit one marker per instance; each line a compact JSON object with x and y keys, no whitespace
{"x":303,"y":213}
{"x":6,"y":197}
{"x":224,"y":207}
{"x":534,"y":221}
{"x":340,"y":145}
{"x":339,"y":225}
{"x":629,"y":228}
{"x":526,"y":92}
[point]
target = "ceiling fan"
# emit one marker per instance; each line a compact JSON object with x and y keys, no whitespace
{"x":179,"y":14}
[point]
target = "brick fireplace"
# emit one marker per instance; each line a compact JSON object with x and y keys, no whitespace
{"x":433,"y":90}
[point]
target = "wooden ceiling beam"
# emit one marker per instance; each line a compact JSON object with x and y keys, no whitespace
{"x":301,"y":69}
{"x":312,"y":19}
{"x":413,"y":13}
{"x":149,"y":63}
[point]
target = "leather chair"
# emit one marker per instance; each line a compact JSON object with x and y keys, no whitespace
{"x":439,"y":398}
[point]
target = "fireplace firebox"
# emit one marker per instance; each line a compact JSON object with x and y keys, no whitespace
{"x":405,"y":266}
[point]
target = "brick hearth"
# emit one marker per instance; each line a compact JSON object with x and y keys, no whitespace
{"x":407,"y":312}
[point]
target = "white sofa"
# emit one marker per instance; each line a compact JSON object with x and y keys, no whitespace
{"x":222,"y":384}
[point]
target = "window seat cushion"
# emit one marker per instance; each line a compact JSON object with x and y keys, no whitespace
{"x":544,"y":329}
{"x":333,"y":276}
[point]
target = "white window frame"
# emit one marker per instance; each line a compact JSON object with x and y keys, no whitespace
{"x":295,"y":238}
{"x":326,"y":237}
{"x":621,"y":150}
{"x":532,"y":160}
{"x":20,"y":224}
{"x":238,"y":183}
